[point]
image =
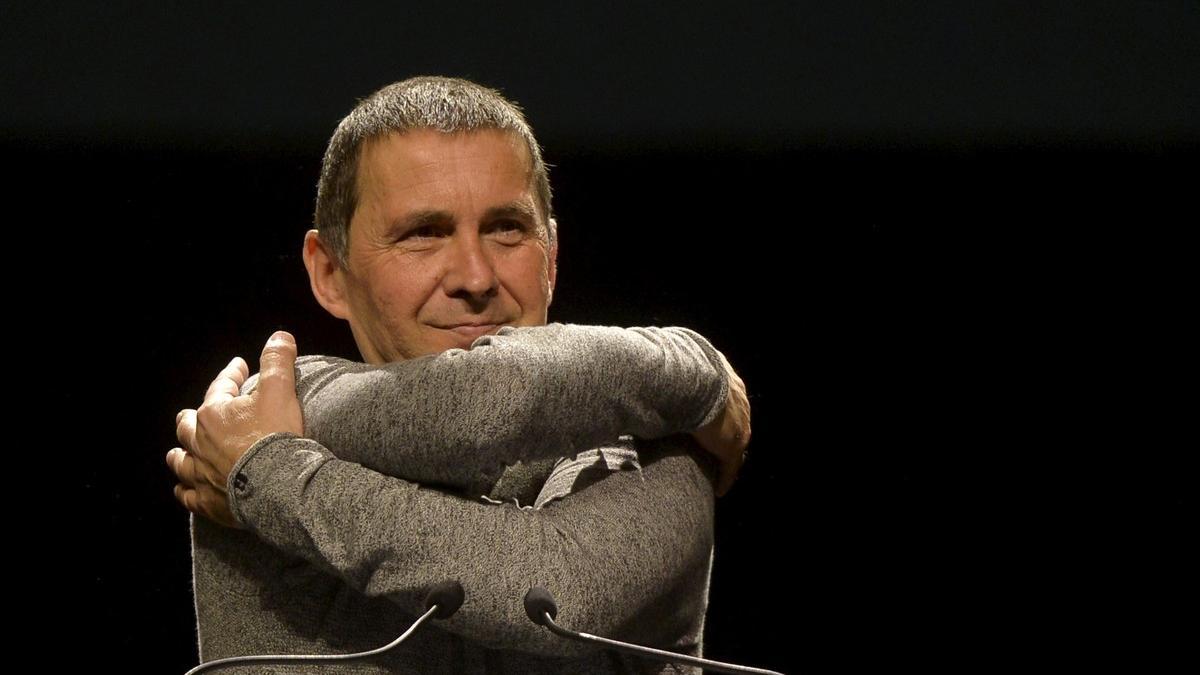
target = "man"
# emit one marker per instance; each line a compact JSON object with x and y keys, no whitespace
{"x":435,"y":235}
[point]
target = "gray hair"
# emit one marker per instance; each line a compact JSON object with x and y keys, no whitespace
{"x":447,"y":104}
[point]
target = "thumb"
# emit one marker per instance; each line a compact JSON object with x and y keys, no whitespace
{"x":277,"y":366}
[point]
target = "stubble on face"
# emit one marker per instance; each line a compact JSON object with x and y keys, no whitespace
{"x":447,"y":243}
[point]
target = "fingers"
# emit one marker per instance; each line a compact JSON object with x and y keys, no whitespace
{"x":739,"y":418}
{"x":277,"y":366}
{"x":183,"y":466}
{"x":725,"y":481}
{"x":185,"y":429}
{"x":193,"y":499}
{"x":188,"y":497}
{"x":729,"y":473}
{"x":192,"y":471}
{"x":203,"y":501}
{"x":228,"y":382}
{"x":196,"y":490}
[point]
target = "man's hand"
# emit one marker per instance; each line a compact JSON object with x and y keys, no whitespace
{"x":216,"y":436}
{"x":728,"y":434}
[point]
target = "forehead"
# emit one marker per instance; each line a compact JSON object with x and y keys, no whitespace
{"x":426,"y":161}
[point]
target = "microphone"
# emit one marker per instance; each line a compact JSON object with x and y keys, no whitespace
{"x":441,"y":602}
{"x":445,"y":598}
{"x":541,"y":609}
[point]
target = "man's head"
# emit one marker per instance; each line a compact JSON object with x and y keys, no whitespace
{"x":449,"y":105}
{"x":433,"y":220}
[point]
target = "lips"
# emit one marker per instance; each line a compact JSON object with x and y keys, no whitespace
{"x":472,"y":330}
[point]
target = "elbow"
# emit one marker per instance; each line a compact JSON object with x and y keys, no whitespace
{"x":659,"y":606}
{"x":668,"y":615}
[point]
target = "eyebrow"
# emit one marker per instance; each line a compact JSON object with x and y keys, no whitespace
{"x":418,"y":219}
{"x":519,"y":210}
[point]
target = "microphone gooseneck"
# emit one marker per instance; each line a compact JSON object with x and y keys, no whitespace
{"x":441,"y":602}
{"x":542,"y":610}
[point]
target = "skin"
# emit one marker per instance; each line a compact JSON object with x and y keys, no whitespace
{"x":446,"y":244}
{"x":215,"y":436}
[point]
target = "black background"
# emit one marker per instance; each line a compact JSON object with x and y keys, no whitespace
{"x":945,"y":246}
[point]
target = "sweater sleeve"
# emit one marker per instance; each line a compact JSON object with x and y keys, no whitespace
{"x":627,"y":557}
{"x":459,"y":417}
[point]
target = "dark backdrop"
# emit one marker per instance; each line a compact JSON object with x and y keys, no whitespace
{"x":944,"y":247}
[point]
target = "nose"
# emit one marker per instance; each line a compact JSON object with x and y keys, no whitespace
{"x":471,"y":274}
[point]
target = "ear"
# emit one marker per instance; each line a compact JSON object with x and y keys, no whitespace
{"x":552,"y":270}
{"x":326,"y":277}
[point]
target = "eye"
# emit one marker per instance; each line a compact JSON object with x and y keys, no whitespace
{"x":506,"y":230}
{"x":425,"y":232}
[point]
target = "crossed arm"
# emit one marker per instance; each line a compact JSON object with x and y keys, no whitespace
{"x":458,"y":418}
{"x":626,"y":557}
{"x":550,"y":391}
{"x":508,"y":398}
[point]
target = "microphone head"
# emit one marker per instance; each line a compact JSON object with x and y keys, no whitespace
{"x":538,"y":603}
{"x":448,"y":596}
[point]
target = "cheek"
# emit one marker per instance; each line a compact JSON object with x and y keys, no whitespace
{"x":392,"y":309}
{"x":536,"y":260}
{"x":530,"y":280}
{"x":399,"y":297}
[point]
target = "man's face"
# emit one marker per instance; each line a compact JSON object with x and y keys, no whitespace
{"x":446,"y":244}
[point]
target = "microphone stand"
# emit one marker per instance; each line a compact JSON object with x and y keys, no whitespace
{"x":443,"y":600}
{"x":541,"y":609}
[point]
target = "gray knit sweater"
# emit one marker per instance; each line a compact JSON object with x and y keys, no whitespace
{"x":345,"y":534}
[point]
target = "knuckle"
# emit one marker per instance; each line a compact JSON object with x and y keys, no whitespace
{"x":278,"y":347}
{"x":208,"y":415}
{"x":183,"y":470}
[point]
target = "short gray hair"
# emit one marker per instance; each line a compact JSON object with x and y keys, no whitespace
{"x":447,"y":104}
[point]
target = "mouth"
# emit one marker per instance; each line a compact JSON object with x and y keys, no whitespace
{"x":472,"y":330}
